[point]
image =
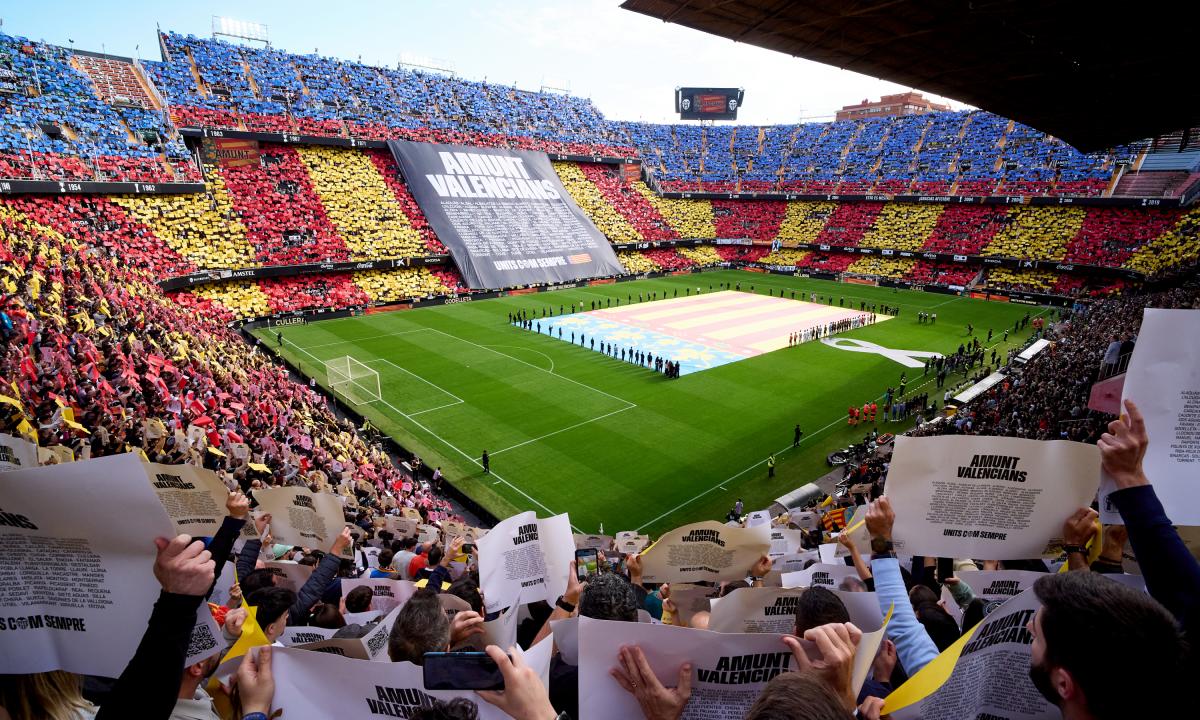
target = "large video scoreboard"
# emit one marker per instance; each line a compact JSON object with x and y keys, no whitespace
{"x":708,"y":103}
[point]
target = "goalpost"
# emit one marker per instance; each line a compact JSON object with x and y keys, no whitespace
{"x":352,"y":380}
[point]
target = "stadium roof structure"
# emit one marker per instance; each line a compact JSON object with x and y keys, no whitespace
{"x":1094,"y":75}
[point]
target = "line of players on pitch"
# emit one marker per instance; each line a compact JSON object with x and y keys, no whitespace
{"x":667,"y":367}
{"x":837,"y":326}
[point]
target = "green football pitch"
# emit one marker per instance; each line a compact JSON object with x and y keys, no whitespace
{"x":571,"y":430}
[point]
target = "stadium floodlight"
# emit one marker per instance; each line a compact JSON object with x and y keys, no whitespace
{"x":352,"y":380}
{"x":242,"y":29}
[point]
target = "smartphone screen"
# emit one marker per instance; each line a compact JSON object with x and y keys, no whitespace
{"x":461,"y":671}
{"x":616,"y":563}
{"x":587,"y":562}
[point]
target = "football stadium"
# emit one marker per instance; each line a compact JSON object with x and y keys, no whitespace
{"x":345,"y":388}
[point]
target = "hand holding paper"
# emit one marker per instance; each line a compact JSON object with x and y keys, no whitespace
{"x":657,"y":702}
{"x":238,"y":505}
{"x":1080,"y":527}
{"x":837,"y":643}
{"x":1123,"y":447}
{"x":261,"y":523}
{"x":342,"y":542}
{"x":256,"y":682}
{"x":183,"y":567}
{"x":524,"y":696}
{"x":880,"y":518}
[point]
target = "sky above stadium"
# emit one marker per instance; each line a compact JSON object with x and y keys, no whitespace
{"x":627,"y":63}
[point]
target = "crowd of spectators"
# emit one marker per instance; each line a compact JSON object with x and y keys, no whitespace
{"x":691,"y":219}
{"x":368,"y":216}
{"x":1037,"y":232}
{"x":1047,"y":398}
{"x":969,"y":152}
{"x":702,"y":255}
{"x":754,"y":219}
{"x":239,"y":299}
{"x":55,"y":126}
{"x":930,"y":601}
{"x":902,"y":226}
{"x":630,"y":203}
{"x":847,"y":224}
{"x":101,"y":362}
{"x":110,"y":129}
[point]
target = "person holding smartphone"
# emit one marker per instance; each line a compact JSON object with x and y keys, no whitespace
{"x":587,"y":563}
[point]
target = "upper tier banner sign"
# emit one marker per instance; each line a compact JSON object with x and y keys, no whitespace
{"x":504,"y":215}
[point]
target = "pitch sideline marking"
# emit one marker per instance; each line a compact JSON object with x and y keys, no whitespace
{"x":453,"y":447}
{"x":521,"y":347}
{"x":535,"y":367}
{"x":439,"y":407}
{"x":369,"y":337}
{"x":560,"y":430}
{"x":427,"y":382}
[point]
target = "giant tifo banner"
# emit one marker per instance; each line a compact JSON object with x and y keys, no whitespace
{"x":504,"y":215}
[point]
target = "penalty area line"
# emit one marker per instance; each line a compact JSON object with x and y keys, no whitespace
{"x":453,"y":447}
{"x":731,"y":478}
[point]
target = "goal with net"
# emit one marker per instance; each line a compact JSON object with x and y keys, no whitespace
{"x":352,"y":380}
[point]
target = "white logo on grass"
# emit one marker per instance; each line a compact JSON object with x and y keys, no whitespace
{"x":907,"y":358}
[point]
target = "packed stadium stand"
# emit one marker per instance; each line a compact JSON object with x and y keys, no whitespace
{"x":78,"y":115}
{"x":99,"y":360}
{"x":127,"y":339}
{"x":57,"y":125}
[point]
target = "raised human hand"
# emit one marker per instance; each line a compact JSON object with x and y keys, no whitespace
{"x":658,"y":702}
{"x":1123,"y":447}
{"x":880,"y":518}
{"x":183,"y":567}
{"x":837,"y":643}
{"x":256,"y":682}
{"x":237,"y":505}
{"x":1080,"y":526}
{"x":524,"y":696}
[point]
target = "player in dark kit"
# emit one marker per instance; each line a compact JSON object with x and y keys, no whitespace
{"x":487,"y":465}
